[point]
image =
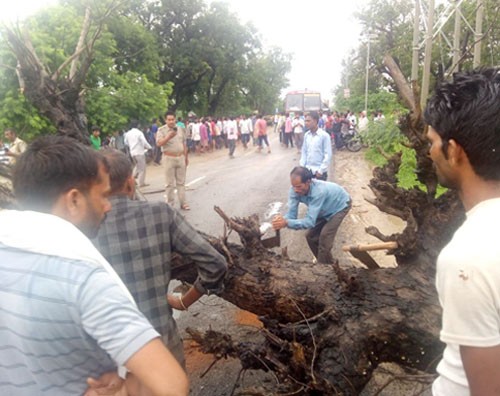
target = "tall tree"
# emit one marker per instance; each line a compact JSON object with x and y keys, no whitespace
{"x":56,"y":89}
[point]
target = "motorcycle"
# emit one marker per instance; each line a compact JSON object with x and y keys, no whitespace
{"x":350,"y":139}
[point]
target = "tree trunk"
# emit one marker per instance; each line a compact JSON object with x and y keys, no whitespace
{"x":327,"y":328}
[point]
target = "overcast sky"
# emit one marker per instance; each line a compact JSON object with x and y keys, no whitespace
{"x":318,"y":33}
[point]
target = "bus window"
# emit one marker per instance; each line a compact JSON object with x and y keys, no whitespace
{"x":312,"y":102}
{"x":294,"y":102}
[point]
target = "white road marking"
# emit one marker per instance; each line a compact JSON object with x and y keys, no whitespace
{"x":195,"y":181}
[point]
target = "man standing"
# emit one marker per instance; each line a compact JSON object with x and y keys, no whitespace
{"x":232,"y":135}
{"x":137,"y":144}
{"x":327,"y":205}
{"x":66,"y":316}
{"x":172,"y":141}
{"x":317,"y":148}
{"x":16,"y":147}
{"x":464,"y":136}
{"x":245,"y":128}
{"x":139,"y":239}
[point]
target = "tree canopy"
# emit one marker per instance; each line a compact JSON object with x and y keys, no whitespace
{"x":134,"y":60}
{"x":390,"y":25}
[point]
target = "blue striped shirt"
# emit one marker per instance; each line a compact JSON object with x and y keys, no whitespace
{"x":316,"y":151}
{"x":62,"y":321}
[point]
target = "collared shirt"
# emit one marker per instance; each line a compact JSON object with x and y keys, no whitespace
{"x":298,"y":125}
{"x":57,"y":329}
{"x":174,"y":145}
{"x":140,"y":240}
{"x":324,"y":200}
{"x":136,"y":142}
{"x":316,"y":151}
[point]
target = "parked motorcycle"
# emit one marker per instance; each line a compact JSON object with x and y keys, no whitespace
{"x":349,"y":139}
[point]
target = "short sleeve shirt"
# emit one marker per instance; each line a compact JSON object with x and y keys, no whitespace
{"x":174,"y":145}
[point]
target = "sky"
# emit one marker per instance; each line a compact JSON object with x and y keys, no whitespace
{"x":318,"y":34}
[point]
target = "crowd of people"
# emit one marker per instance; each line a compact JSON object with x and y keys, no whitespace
{"x":85,"y":306}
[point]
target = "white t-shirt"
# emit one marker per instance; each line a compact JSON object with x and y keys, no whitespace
{"x":468,"y":284}
{"x":136,"y":141}
{"x":196,"y":132}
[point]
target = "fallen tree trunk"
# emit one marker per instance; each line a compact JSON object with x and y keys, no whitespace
{"x":327,"y":327}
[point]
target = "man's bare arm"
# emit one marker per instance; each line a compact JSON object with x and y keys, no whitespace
{"x":157,"y":370}
{"x":482,"y":368}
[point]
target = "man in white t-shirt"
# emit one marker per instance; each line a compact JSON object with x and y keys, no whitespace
{"x":464,"y":133}
{"x":137,"y":144}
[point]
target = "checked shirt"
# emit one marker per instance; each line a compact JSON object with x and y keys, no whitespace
{"x":138,"y":239}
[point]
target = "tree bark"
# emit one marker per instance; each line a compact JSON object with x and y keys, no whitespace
{"x":327,"y":328}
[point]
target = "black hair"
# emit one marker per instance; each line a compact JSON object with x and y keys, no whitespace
{"x":120,"y":169}
{"x":134,"y":124}
{"x":467,"y":110}
{"x":169,"y":113}
{"x":304,"y":173}
{"x":314,"y":115}
{"x":51,"y":166}
{"x":11,"y":130}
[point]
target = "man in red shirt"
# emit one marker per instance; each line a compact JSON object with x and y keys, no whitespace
{"x":261,"y":128}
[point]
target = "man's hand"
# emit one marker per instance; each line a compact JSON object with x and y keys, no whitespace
{"x":279,"y":222}
{"x":172,"y":134}
{"x":319,"y":174}
{"x":175,"y":302}
{"x":107,"y":384}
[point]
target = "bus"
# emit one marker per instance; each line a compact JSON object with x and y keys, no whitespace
{"x":303,"y":101}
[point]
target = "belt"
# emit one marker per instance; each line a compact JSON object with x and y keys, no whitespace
{"x":172,"y":154}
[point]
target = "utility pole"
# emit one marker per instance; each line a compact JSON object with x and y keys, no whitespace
{"x":456,"y":37}
{"x":478,"y":33}
{"x":369,"y":38}
{"x":416,"y":47}
{"x":427,"y":54}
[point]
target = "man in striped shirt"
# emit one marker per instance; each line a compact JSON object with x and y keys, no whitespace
{"x":65,"y":316}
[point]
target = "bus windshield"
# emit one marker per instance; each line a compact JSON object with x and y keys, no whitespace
{"x":302,"y":101}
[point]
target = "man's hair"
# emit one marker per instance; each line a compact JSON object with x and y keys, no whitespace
{"x":304,"y":173}
{"x":11,"y":130}
{"x":134,"y":124}
{"x":467,"y":110}
{"x":120,"y":169}
{"x":169,"y":113}
{"x":51,"y":166}
{"x":96,"y":128}
{"x":314,"y":115}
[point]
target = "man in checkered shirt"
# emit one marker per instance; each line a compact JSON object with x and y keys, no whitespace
{"x":139,"y":239}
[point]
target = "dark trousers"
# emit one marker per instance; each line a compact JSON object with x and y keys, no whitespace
{"x":232,"y":145}
{"x":262,"y":140}
{"x":289,"y":139}
{"x":320,"y":238}
{"x":323,"y":176}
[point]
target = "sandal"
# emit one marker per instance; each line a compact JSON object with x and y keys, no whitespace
{"x":185,"y":207}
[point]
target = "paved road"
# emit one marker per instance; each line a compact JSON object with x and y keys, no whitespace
{"x":246,"y":184}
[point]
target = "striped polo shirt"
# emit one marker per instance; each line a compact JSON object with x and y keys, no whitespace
{"x":61,"y":321}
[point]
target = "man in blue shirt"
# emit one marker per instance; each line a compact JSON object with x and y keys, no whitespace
{"x":317,"y":148}
{"x":328,"y":204}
